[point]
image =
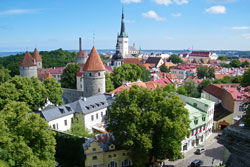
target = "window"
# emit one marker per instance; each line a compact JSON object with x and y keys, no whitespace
{"x":195,"y":104}
{"x":185,"y":147}
{"x":114,"y":155}
{"x":95,"y":165}
{"x":112,"y":164}
{"x":203,"y":118}
{"x":54,"y":126}
{"x":90,"y":74}
{"x":92,"y":117}
{"x":127,"y":162}
{"x":99,"y":74}
{"x":94,"y":158}
{"x":96,"y":116}
{"x":99,"y":90}
{"x":94,"y":149}
{"x":65,"y":122}
{"x":102,"y":114}
{"x":196,"y":121}
{"x":61,"y":110}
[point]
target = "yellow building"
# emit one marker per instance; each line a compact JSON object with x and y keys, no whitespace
{"x":101,"y":152}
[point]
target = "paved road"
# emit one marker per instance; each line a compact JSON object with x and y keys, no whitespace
{"x":214,"y":151}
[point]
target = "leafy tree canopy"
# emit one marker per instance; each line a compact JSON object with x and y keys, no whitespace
{"x":109,"y":84}
{"x":149,"y":124}
{"x":29,"y":91}
{"x":245,"y":64}
{"x":203,"y":84}
{"x":170,"y":88}
{"x":235,"y":63}
{"x":54,"y":91}
{"x":204,"y":71}
{"x":175,"y":59}
{"x":191,"y":89}
{"x":25,"y":139}
{"x":223,"y":58}
{"x":68,"y":79}
{"x":181,"y":90}
{"x":163,"y":68}
{"x":4,"y":74}
{"x":129,"y":72}
{"x":246,"y":79}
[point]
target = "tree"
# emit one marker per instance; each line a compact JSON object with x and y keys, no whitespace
{"x":225,"y":65}
{"x":4,"y":74}
{"x":205,"y":72}
{"x":175,"y":59}
{"x":109,"y":84}
{"x":23,"y":89}
{"x":146,"y":75}
{"x":78,"y":128}
{"x":191,"y":89}
{"x":203,"y":84}
{"x":237,"y":79}
{"x":126,"y":72}
{"x":149,"y":124}
{"x":235,"y":63}
{"x":245,"y":64}
{"x":223,"y":58}
{"x":170,"y":88}
{"x":69,"y":76}
{"x":181,"y":90}
{"x":54,"y":91}
{"x":163,"y":68}
{"x":246,"y":79}
{"x":25,"y":139}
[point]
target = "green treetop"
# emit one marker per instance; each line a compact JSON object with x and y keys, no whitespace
{"x":69,"y":76}
{"x":4,"y":74}
{"x":25,"y":139}
{"x":175,"y":59}
{"x":151,"y":124}
{"x":235,"y":63}
{"x":108,"y":83}
{"x":54,"y":91}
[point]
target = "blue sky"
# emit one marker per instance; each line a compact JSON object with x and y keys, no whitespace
{"x":150,"y":24}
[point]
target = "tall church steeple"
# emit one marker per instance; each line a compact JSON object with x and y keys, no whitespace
{"x":123,"y":33}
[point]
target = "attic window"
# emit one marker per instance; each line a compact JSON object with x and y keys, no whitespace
{"x":102,"y":103}
{"x":92,"y":106}
{"x":195,"y":120}
{"x":97,"y":104}
{"x":62,"y":110}
{"x":87,"y":107}
{"x":68,"y":108}
{"x":195,"y":104}
{"x":206,"y":105}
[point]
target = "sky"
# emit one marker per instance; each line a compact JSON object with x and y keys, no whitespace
{"x":150,"y":24}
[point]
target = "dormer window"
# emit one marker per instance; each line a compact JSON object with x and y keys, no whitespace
{"x":195,"y":120}
{"x":195,"y":104}
{"x":61,"y":110}
{"x":203,"y":117}
{"x":68,"y":108}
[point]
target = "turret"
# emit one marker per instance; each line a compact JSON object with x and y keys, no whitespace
{"x":37,"y":59}
{"x":83,"y":55}
{"x":27,"y":66}
{"x":94,"y":75}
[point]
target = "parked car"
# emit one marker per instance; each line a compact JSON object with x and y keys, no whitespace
{"x":196,"y":163}
{"x":200,"y":150}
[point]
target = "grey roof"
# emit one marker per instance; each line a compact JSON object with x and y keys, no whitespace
{"x":57,"y":112}
{"x":153,"y":60}
{"x":83,"y":105}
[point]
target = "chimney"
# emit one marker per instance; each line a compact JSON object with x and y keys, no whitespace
{"x":80,"y":44}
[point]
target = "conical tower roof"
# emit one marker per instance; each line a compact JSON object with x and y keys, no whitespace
{"x":94,"y":62}
{"x":36,"y":55}
{"x":27,"y":60}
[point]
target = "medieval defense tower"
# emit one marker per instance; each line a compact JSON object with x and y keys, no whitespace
{"x":28,"y":68}
{"x":94,"y":75}
{"x":83,"y":55}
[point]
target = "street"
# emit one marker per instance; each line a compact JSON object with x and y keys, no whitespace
{"x":214,"y":151}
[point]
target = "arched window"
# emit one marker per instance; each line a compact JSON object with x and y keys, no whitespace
{"x":127,"y":162}
{"x":113,"y":164}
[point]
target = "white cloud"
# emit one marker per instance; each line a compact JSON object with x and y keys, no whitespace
{"x":17,"y":11}
{"x":240,"y":28}
{"x":129,"y":21}
{"x":180,"y":2}
{"x":246,"y":36}
{"x":176,"y":14}
{"x":216,"y":10}
{"x":130,"y":1}
{"x":221,"y":1}
{"x":168,"y":2}
{"x":153,"y":15}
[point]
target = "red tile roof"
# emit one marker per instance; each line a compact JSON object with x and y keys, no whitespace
{"x":108,"y":69}
{"x":94,"y":62}
{"x":57,"y":70}
{"x":82,"y":54}
{"x":221,"y":76}
{"x":217,"y":89}
{"x":133,"y":61}
{"x":36,"y":55}
{"x":200,"y":54}
{"x":27,"y":60}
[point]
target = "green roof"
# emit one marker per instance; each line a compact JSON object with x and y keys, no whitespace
{"x":196,"y":113}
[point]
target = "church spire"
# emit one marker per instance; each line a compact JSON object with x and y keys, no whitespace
{"x":123,"y":33}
